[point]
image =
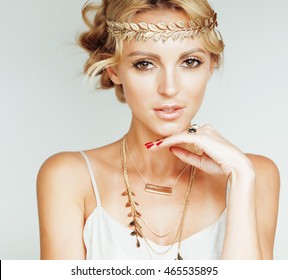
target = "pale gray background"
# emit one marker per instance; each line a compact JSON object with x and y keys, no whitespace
{"x":46,"y":108}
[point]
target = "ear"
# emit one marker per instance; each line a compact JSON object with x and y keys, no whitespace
{"x":113,"y":75}
{"x":212,"y":66}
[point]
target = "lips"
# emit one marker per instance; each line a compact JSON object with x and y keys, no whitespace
{"x":168,"y":108}
{"x":169,"y":112}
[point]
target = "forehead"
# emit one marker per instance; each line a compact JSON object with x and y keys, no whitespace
{"x":167,"y":49}
{"x":162,"y":48}
{"x":163,"y":15}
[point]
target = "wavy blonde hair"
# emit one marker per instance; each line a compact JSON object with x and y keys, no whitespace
{"x":105,"y":50}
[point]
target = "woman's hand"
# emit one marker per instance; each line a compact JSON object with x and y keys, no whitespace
{"x":250,"y":227}
{"x":219,"y":156}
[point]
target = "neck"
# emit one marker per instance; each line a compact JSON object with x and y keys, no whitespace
{"x":152,"y":164}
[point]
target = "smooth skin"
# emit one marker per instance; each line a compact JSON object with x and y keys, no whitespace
{"x":155,"y":75}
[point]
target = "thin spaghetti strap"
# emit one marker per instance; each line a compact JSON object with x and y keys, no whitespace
{"x":93,"y":181}
{"x":227,"y":192}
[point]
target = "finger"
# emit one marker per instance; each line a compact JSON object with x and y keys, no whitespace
{"x":205,"y":140}
{"x":198,"y":151}
{"x":186,"y":156}
{"x":177,"y":139}
{"x":204,"y":163}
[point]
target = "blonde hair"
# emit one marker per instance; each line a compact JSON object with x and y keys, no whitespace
{"x":105,"y":50}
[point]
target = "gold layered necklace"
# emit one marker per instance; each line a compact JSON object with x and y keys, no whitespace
{"x":158,"y":190}
{"x":136,"y":216}
{"x":152,"y":188}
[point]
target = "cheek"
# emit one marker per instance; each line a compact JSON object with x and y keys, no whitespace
{"x":137,"y":87}
{"x":195,"y":85}
{"x":134,"y":93}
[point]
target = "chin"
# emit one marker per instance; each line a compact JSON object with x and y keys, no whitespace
{"x":169,"y":130}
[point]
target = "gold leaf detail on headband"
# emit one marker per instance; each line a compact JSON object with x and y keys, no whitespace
{"x":161,"y":31}
{"x":126,"y":26}
{"x":176,"y":35}
{"x":157,"y":36}
{"x":139,"y":36}
{"x":180,"y":24}
{"x":169,"y":33}
{"x":161,"y":25}
{"x":172,"y":26}
{"x":130,"y":35}
{"x":134,"y":27}
{"x":148,"y":34}
{"x":143,"y":25}
{"x":152,"y":27}
{"x":198,"y":22}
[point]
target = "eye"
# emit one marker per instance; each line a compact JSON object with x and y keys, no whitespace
{"x":143,"y":65}
{"x":192,"y":62}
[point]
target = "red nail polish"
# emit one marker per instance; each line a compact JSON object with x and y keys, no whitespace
{"x":149,"y":146}
{"x":159,"y":143}
{"x":148,"y":143}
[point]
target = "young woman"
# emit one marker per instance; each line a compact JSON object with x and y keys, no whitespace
{"x":168,"y":189}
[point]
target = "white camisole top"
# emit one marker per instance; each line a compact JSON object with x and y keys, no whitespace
{"x":107,"y":239}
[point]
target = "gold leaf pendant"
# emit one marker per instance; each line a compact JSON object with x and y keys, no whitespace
{"x":134,"y":214}
{"x":178,"y":258}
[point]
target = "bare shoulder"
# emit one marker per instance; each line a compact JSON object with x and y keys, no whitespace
{"x":60,"y":161}
{"x":266,"y":171}
{"x":65,"y":169}
{"x":67,"y":172}
{"x":61,"y":195}
{"x":267,"y":200}
{"x":267,"y":180}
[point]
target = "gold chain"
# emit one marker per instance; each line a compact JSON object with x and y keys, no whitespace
{"x":136,"y":215}
{"x":180,"y":228}
{"x":144,"y":181}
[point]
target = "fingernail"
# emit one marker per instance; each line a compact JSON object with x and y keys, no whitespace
{"x":148,"y":143}
{"x":170,"y":149}
{"x":159,"y":143}
{"x":149,"y":146}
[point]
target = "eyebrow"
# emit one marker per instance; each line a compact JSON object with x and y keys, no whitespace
{"x":140,"y":53}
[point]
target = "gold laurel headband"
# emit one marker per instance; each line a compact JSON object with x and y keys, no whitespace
{"x":144,"y":31}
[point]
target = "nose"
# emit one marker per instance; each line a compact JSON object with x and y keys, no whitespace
{"x":168,"y":82}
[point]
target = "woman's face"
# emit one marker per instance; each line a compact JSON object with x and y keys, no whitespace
{"x":163,"y":82}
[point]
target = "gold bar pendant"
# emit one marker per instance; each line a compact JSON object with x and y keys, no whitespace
{"x":158,"y":189}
